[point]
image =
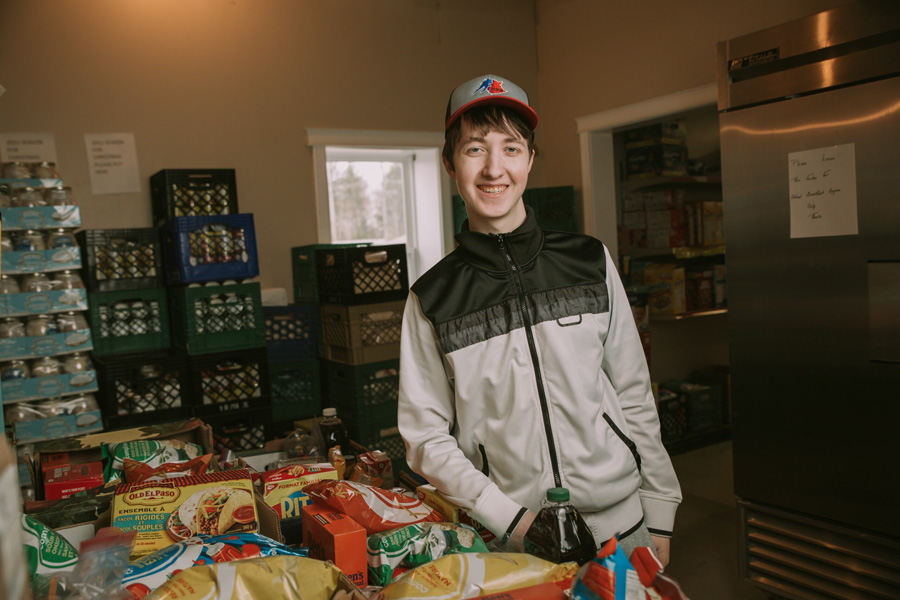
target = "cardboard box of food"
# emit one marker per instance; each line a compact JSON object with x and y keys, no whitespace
{"x":332,"y":535}
{"x":64,"y":481}
{"x":13,"y":570}
{"x":667,"y":288}
{"x":283,"y":488}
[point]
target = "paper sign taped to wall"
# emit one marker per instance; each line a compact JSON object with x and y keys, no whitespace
{"x":112,"y":162}
{"x":27,"y":147}
{"x":823,"y":191}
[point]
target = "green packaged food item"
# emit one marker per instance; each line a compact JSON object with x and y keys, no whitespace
{"x":414,"y":545}
{"x":150,"y":452}
{"x":47,"y":551}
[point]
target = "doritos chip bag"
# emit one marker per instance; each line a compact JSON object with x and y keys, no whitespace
{"x":375,"y":509}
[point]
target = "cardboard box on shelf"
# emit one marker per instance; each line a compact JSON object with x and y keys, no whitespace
{"x":635,"y":219}
{"x":667,"y":288}
{"x":665,"y":219}
{"x":668,"y":237}
{"x":713,"y":227}
{"x":332,"y":535}
{"x":64,"y":481}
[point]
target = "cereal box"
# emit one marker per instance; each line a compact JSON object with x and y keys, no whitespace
{"x":172,"y":510}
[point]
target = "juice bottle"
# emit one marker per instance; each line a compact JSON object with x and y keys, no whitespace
{"x":559,"y":533}
{"x":333,"y":431}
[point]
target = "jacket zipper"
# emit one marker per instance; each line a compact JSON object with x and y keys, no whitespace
{"x":529,"y":334}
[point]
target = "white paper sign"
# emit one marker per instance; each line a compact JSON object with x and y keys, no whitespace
{"x":823,"y":191}
{"x":112,"y":161}
{"x":27,"y":147}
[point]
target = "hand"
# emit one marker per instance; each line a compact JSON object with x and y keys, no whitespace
{"x":662,"y":548}
{"x":517,"y":538}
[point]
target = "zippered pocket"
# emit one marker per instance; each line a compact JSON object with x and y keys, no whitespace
{"x":484,"y":461}
{"x":632,"y":447}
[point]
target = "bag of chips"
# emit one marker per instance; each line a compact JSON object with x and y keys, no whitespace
{"x":137,"y":471}
{"x":375,"y":509}
{"x":150,"y":452}
{"x":416,"y":545}
{"x":47,"y":551}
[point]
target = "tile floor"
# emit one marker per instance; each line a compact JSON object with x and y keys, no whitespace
{"x":704,"y":553}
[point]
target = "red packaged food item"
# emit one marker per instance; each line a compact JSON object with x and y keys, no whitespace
{"x":374,"y":508}
{"x":137,"y":471}
{"x":65,"y":481}
{"x":378,"y":464}
{"x":650,"y":571}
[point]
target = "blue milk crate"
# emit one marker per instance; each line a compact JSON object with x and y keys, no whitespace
{"x":211,"y":248}
{"x":291,"y":331}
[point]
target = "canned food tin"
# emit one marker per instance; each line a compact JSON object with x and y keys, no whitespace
{"x":40,"y":325}
{"x":60,"y":195}
{"x":45,"y":366}
{"x":9,"y":285}
{"x":16,"y":170}
{"x":67,"y":280}
{"x":13,"y":370}
{"x":36,"y":282}
{"x":12,"y":328}
{"x":71,"y":322}
{"x":28,"y":196}
{"x":76,"y":363}
{"x":29,"y":241}
{"x":45,"y":170}
{"x":61,"y":239}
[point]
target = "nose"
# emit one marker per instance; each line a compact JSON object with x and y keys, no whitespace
{"x":492,"y":165}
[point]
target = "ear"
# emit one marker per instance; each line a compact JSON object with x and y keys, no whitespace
{"x":531,"y":160}
{"x":449,"y":168}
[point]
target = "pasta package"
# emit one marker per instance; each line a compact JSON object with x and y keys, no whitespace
{"x":460,"y":576}
{"x":173,"y":510}
{"x":282,"y":576}
{"x":375,"y":509}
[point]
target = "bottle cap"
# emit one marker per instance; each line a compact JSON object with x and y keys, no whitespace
{"x":558,"y":494}
{"x":329,"y":412}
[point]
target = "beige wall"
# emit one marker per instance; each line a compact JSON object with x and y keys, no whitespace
{"x":236,"y":83}
{"x":596,"y":56}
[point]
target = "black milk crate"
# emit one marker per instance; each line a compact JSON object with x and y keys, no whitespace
{"x":216,"y":248}
{"x":217,"y":318}
{"x":296,"y":389}
{"x":702,"y":404}
{"x":303,"y":265}
{"x":230,"y":381}
{"x":363,"y":392}
{"x":363,"y":333}
{"x":291,"y":331}
{"x":673,"y":416}
{"x":362,"y":275}
{"x":129,"y":321}
{"x":381,"y":434}
{"x":243,"y":430}
{"x":142,"y":389}
{"x":121,"y":259}
{"x":193,"y":193}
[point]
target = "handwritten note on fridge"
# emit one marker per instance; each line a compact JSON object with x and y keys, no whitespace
{"x":823,"y":191}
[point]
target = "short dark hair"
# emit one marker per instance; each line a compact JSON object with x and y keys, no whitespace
{"x":484,"y":119}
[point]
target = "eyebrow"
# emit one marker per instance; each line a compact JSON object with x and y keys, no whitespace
{"x":506,"y":140}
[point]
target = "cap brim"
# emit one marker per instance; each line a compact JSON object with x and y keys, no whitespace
{"x":520,"y":107}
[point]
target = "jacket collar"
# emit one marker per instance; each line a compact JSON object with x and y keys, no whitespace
{"x":483,"y":249}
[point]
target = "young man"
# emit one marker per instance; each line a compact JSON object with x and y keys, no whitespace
{"x":521,"y":368}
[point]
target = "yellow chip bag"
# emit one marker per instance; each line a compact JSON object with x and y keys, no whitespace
{"x":269,"y":577}
{"x":459,"y":576}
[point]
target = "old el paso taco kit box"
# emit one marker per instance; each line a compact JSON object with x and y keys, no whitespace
{"x":169,"y":511}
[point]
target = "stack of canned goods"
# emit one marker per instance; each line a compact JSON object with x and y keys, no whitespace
{"x":30,"y":170}
{"x":45,"y":409}
{"x":224,"y":312}
{"x":190,"y":202}
{"x":230,"y":382}
{"x":59,"y":195}
{"x":45,"y":366}
{"x":31,"y":240}
{"x":128,"y":260}
{"x":217,"y":244}
{"x":150,"y":391}
{"x":40,"y":282}
{"x":129,"y":318}
{"x":40,"y":325}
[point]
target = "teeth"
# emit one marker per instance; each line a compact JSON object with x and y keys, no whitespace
{"x":493,"y":190}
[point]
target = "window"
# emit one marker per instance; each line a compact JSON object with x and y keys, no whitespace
{"x":384,"y":188}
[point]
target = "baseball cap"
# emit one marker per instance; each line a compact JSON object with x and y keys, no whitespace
{"x":485,"y":90}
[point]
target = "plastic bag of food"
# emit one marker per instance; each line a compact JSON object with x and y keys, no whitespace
{"x":375,"y":509}
{"x":274,"y":577}
{"x":556,"y":590}
{"x":47,"y":551}
{"x":137,"y":471}
{"x":414,"y":545}
{"x":149,"y":572}
{"x":650,"y":570}
{"x":150,"y":452}
{"x":459,"y":576}
{"x":609,"y":576}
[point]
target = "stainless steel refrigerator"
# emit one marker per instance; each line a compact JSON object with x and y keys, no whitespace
{"x":810,"y":137}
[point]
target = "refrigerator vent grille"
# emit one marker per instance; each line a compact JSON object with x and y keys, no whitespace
{"x":802,"y":558}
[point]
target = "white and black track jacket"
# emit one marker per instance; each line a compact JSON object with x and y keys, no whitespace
{"x":521,"y":369}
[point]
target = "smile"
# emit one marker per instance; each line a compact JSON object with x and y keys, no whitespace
{"x":493,"y":189}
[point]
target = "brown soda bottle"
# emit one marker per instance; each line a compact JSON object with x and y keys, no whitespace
{"x":559,"y":533}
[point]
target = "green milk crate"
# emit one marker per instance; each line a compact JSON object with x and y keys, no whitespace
{"x":129,"y":321}
{"x":217,"y":318}
{"x":296,"y":389}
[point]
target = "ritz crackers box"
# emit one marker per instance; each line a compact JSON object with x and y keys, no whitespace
{"x":332,"y":535}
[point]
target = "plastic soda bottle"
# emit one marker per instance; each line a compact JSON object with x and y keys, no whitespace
{"x":333,"y":431}
{"x":559,"y":533}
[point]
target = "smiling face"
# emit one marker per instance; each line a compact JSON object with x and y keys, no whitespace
{"x":491,"y":167}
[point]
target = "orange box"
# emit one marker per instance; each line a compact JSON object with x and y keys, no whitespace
{"x":332,"y":535}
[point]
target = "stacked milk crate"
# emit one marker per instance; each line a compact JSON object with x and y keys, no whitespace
{"x":216,"y":310}
{"x":48,"y":381}
{"x":361,"y":292}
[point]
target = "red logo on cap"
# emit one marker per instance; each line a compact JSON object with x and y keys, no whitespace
{"x":491,"y":86}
